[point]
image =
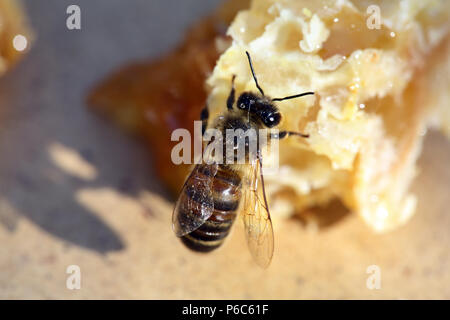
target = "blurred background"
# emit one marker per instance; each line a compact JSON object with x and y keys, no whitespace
{"x":75,"y":190}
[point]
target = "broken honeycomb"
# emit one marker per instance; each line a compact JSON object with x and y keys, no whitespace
{"x":377,"y":90}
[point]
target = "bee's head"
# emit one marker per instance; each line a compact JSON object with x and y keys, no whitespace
{"x":260,"y":107}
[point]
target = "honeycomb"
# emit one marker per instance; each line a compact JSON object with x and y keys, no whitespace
{"x":377,"y":92}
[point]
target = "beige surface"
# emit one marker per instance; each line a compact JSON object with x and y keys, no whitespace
{"x":74,"y":190}
{"x":330,"y":263}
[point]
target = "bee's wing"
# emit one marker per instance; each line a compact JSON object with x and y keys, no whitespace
{"x":256,"y":216}
{"x":195,"y":203}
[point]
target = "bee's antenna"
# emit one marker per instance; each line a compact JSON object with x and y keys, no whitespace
{"x":294,"y":96}
{"x":253,"y":73}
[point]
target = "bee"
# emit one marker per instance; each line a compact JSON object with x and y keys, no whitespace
{"x":212,"y":194}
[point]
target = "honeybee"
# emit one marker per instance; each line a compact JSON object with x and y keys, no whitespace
{"x":211,"y":196}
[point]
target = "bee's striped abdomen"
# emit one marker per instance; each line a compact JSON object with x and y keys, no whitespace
{"x":226,"y":189}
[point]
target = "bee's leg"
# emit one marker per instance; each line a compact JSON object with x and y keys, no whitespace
{"x":283,"y":134}
{"x":230,"y":100}
{"x":204,"y":115}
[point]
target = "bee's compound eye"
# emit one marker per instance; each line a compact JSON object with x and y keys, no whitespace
{"x":272,"y":119}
